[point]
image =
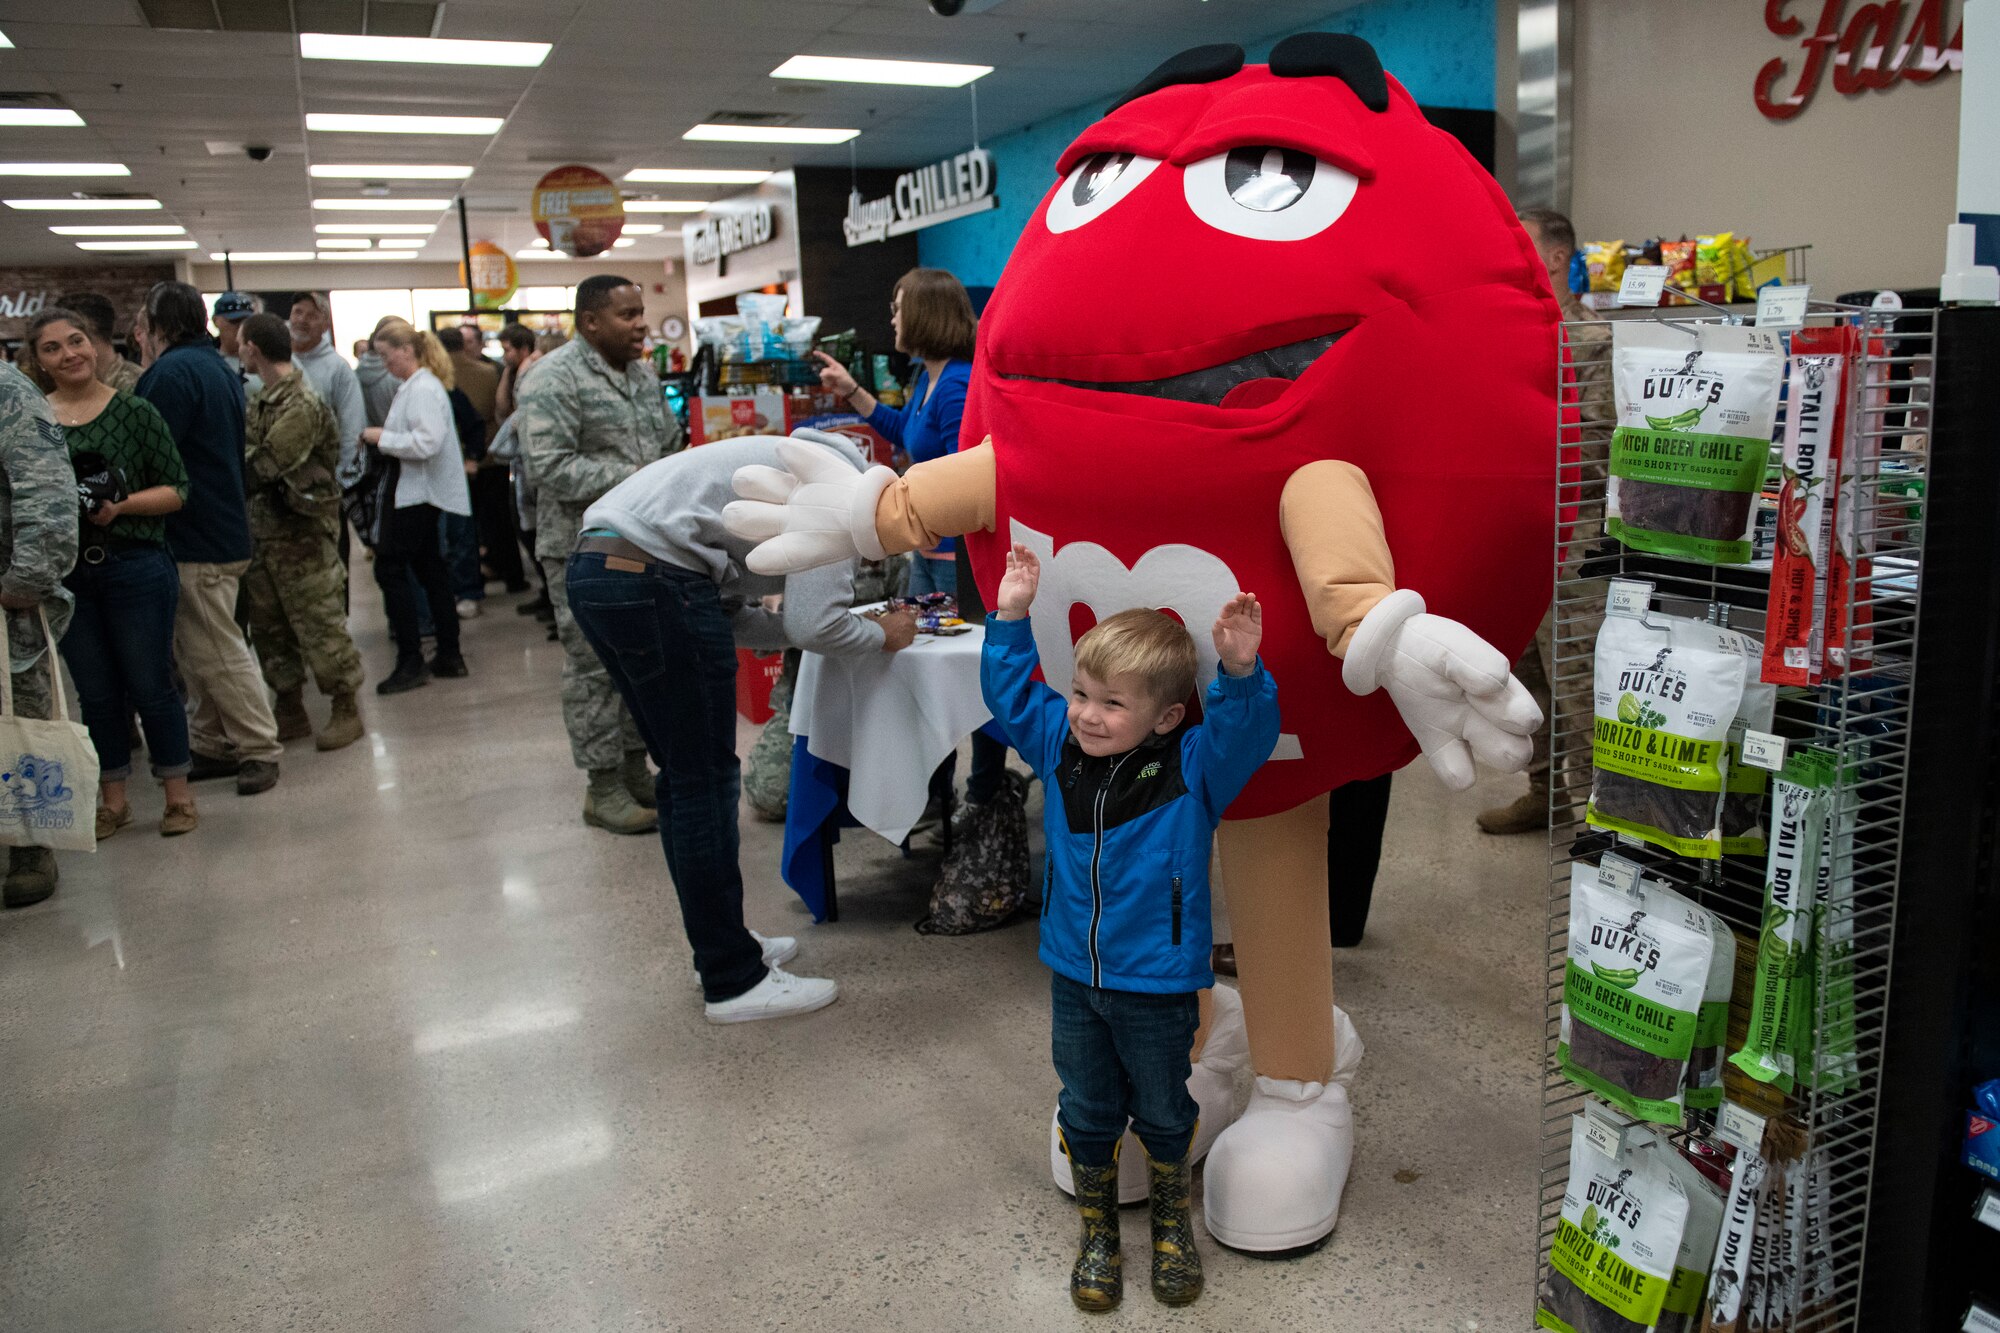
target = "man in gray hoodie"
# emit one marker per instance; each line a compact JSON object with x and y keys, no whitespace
{"x":378,"y":386}
{"x":311,"y":320}
{"x":660,"y":590}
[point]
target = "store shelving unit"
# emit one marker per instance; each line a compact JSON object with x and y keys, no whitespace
{"x":1862,"y":716}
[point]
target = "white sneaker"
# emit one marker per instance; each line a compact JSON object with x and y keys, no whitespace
{"x":468,"y":609}
{"x":778,"y":995}
{"x":778,"y":949}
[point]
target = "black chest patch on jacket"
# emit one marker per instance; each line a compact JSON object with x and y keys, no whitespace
{"x":1139,"y":782}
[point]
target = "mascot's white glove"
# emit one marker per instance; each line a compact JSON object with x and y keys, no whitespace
{"x":815,"y":510}
{"x":1454,"y":689}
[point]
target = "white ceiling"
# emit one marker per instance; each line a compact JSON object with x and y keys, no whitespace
{"x":625,"y":80}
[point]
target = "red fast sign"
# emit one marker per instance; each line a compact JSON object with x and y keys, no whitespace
{"x":1868,"y":50}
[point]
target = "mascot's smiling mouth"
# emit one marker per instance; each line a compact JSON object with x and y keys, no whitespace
{"x":1249,"y":381}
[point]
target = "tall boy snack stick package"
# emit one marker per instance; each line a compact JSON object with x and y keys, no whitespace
{"x":1850,"y":627}
{"x":1617,"y":1241}
{"x":1696,"y":406}
{"x":1727,"y":1310}
{"x":1795,"y":628}
{"x":1632,"y":991}
{"x":1788,"y":895}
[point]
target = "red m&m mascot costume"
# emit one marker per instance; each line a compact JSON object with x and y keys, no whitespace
{"x":1269,"y":330}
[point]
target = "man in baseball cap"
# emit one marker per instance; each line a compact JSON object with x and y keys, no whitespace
{"x":231,"y":309}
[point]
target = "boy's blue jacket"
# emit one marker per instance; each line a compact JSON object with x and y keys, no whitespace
{"x":1125,"y":900}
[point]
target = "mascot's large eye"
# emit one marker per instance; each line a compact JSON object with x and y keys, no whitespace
{"x":1268,"y":193}
{"x":1094,"y":185}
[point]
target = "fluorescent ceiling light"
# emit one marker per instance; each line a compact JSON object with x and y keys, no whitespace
{"x":162,"y":230}
{"x":5,"y":44}
{"x":388,"y":172}
{"x":665,"y":206}
{"x":402,"y":243}
{"x":422,"y":50}
{"x":263,"y":256}
{"x":341,"y":122}
{"x":363,"y":254}
{"x":693,"y":176}
{"x":767,"y":134}
{"x":643,"y":228}
{"x":623,"y":243}
{"x":909,"y":73}
{"x":374,"y":228}
{"x":341,"y":243}
{"x":46,"y":117}
{"x":540,"y":254}
{"x":66,"y":205}
{"x":385,"y":205}
{"x":135,"y":245}
{"x":64,"y":169}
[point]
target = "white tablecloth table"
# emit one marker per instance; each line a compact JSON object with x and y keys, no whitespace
{"x":890,"y":719}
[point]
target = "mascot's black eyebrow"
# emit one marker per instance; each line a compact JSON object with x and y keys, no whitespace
{"x":1301,"y":56}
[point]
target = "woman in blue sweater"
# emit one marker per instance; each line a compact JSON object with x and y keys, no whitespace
{"x":934,"y":323}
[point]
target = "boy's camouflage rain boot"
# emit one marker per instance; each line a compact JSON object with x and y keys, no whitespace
{"x":1097,"y":1282}
{"x":1176,"y":1263}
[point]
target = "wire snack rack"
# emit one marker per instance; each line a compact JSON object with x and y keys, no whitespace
{"x":1861,"y":716}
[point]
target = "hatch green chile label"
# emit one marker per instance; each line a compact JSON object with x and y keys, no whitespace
{"x":1677,"y":456}
{"x":1590,"y":1261}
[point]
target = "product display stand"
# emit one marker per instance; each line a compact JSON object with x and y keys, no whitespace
{"x":1860,"y":716}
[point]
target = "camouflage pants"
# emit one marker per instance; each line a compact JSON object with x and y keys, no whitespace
{"x":767,"y":773}
{"x":601,"y":733}
{"x":296,"y":589}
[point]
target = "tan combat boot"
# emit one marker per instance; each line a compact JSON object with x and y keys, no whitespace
{"x":1528,"y":814}
{"x":344,"y":727}
{"x":638,"y":778}
{"x":290,"y":710}
{"x":608,"y":806}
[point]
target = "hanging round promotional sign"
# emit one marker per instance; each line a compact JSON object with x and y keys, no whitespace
{"x":494,"y":276}
{"x":578,"y":211}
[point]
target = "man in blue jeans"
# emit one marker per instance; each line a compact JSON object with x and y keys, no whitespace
{"x":661,"y":590}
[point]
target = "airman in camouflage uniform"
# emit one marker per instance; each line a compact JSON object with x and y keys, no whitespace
{"x":296,"y":586}
{"x":38,"y":515}
{"x":587,"y":421}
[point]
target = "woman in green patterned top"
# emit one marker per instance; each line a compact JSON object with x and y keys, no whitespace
{"x":118,"y":644}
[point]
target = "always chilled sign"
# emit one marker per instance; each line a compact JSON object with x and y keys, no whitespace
{"x":954,"y":188}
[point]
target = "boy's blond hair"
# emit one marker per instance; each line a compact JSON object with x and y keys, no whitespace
{"x":1148,"y":645}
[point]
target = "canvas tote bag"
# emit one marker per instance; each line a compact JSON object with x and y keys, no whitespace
{"x":48,"y":770}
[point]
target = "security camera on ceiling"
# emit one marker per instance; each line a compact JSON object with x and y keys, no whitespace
{"x":257,"y":152}
{"x":946,"y":9}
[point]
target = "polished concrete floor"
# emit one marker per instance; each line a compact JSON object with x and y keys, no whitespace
{"x":402,"y":1045}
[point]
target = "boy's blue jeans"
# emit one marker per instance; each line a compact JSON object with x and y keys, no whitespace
{"x":1123,"y":1056}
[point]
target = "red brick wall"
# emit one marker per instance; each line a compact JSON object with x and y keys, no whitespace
{"x":25,"y":291}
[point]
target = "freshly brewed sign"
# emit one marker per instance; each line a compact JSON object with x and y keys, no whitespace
{"x":578,"y":211}
{"x":722,"y":234}
{"x":940,"y":192}
{"x":1869,"y":51}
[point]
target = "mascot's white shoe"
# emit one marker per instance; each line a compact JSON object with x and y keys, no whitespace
{"x":1275,"y":1177}
{"x":1213,"y":1086}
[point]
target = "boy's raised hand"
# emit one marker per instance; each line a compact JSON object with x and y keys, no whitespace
{"x":1239,"y":630}
{"x":1017,"y":586}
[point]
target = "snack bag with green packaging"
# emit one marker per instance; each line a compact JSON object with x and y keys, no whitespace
{"x":1632,"y":992}
{"x":1667,"y":692}
{"x":1790,"y":878}
{"x":1617,"y":1241}
{"x":1681,"y":1310}
{"x":1711,"y":1029}
{"x":1696,"y":411}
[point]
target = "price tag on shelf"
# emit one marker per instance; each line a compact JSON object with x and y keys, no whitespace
{"x":1780,"y":308}
{"x":1988,"y":1209}
{"x":1643,"y":285}
{"x":1628,"y":597}
{"x":1763,"y":750}
{"x":1979,"y":1319}
{"x":1617,"y":872}
{"x":1605,"y":1128}
{"x":1744,"y":1128}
